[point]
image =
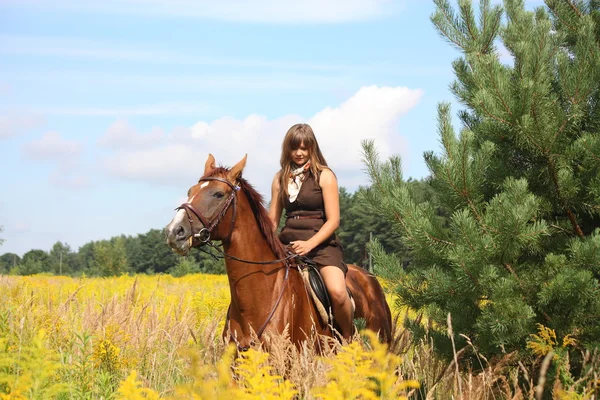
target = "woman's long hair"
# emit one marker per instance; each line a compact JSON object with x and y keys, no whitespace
{"x":293,"y":139}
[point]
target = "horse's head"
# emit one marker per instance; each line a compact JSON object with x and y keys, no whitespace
{"x":209,"y":212}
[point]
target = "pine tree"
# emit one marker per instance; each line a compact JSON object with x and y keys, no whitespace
{"x":521,"y":181}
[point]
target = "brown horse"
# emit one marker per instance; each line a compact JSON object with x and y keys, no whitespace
{"x":268,"y":294}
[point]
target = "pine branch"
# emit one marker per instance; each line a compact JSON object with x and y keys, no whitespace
{"x":373,"y":166}
{"x":466,"y":271}
{"x":489,"y":33}
{"x":554,"y":175}
{"x":464,"y":193}
{"x":551,"y":5}
{"x":484,"y":14}
{"x":558,"y":132}
{"x":498,"y":93}
{"x":443,"y":10}
{"x":514,"y":274}
{"x":467,"y":12}
{"x":492,"y":116}
{"x":534,"y":114}
{"x":590,"y":152}
{"x":574,"y":8}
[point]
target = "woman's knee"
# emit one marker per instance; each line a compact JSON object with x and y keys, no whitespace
{"x":336,"y":284}
{"x":338,"y":294}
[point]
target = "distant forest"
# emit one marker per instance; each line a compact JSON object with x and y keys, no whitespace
{"x":148,"y":253}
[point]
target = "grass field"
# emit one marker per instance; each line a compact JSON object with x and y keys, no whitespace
{"x":159,"y":337}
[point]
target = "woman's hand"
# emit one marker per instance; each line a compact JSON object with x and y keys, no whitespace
{"x":301,"y":247}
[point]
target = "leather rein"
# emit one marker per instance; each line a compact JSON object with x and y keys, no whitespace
{"x":204,"y":236}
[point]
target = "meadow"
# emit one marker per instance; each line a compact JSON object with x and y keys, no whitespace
{"x":151,"y":337}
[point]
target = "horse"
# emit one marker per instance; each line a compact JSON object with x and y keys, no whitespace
{"x":268,"y":294}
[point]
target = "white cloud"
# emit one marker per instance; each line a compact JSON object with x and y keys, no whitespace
{"x":52,"y":147}
{"x":158,"y":109}
{"x":373,"y":112}
{"x":180,"y":158}
{"x":121,"y":135}
{"x":14,"y":123}
{"x":68,"y":179}
{"x":64,"y":155}
{"x":269,"y":11}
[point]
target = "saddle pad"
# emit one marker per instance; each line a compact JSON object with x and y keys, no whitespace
{"x":318,"y":292}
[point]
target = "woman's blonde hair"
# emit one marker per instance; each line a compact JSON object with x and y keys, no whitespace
{"x":293,"y":139}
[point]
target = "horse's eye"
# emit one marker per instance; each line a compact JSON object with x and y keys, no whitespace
{"x":218,"y":195}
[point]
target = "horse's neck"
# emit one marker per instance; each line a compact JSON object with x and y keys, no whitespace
{"x":248,"y":243}
{"x":251,"y":283}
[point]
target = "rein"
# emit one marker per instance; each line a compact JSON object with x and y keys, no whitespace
{"x":204,"y":236}
{"x":225,"y":255}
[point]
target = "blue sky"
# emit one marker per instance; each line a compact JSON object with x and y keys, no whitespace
{"x":109,"y":110}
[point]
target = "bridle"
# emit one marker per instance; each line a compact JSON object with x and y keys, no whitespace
{"x":204,"y":233}
{"x":204,"y":236}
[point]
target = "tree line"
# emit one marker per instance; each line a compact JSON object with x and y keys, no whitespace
{"x":148,"y":253}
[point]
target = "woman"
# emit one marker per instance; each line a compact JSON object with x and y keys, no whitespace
{"x":308,"y":191}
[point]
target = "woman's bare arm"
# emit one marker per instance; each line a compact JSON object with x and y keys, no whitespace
{"x":275,"y":208}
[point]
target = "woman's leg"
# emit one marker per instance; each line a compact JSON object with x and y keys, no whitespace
{"x":340,"y":301}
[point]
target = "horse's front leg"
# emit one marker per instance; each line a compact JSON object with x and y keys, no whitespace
{"x":233,"y":333}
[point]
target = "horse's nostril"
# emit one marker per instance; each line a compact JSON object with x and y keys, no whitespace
{"x":180,"y":232}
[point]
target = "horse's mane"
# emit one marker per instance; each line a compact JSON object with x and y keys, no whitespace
{"x":259,"y":210}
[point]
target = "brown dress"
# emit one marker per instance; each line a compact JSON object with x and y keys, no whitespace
{"x":304,"y":217}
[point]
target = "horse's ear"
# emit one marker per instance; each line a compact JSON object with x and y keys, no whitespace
{"x":210,"y":164}
{"x":235,"y":172}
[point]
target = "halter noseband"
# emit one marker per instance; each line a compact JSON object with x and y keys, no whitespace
{"x":204,"y":233}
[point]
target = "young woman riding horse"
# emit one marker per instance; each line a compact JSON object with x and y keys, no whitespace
{"x":308,"y":191}
{"x":268,"y":294}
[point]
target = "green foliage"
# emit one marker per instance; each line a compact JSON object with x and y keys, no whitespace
{"x":511,"y":240}
{"x":33,"y":262}
{"x":155,"y":255}
{"x":106,"y":386}
{"x":8,"y":261}
{"x":110,"y":258}
{"x":206,"y":263}
{"x":184,"y":267}
{"x":358,"y":224}
{"x":82,"y":368}
{"x":61,"y":259}
{"x":31,"y":372}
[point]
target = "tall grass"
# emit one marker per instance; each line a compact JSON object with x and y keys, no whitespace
{"x":160,"y":337}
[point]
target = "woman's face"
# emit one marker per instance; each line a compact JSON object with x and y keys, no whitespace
{"x":300,"y":155}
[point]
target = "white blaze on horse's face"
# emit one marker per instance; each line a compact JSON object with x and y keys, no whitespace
{"x":202,"y":186}
{"x":179,"y":230}
{"x":180,"y":217}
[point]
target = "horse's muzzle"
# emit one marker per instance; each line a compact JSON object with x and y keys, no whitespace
{"x":178,"y":238}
